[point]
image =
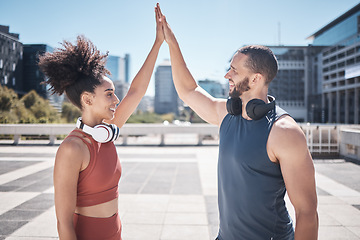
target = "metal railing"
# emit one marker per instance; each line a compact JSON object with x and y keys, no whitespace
{"x":320,"y":138}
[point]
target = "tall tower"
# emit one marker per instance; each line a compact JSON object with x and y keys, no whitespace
{"x":166,"y":98}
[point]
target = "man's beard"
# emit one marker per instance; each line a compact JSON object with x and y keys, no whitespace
{"x":240,"y":88}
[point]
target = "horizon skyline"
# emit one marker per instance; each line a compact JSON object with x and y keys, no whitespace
{"x":207,"y":40}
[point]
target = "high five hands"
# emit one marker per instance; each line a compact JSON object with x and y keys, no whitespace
{"x":162,"y":23}
{"x":159,"y":25}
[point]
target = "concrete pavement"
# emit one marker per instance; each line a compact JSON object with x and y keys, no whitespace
{"x":165,"y":193}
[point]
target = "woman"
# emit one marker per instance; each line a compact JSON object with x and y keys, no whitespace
{"x":87,"y":169}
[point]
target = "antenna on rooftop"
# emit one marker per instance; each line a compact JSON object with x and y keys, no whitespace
{"x":279,"y":33}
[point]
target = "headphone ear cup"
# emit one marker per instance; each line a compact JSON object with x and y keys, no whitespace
{"x":102,"y":133}
{"x":257,"y":108}
{"x":116,"y":132}
{"x":234,"y":106}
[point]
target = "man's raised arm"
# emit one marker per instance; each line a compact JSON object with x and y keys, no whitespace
{"x":207,"y":107}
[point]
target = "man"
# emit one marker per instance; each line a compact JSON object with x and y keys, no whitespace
{"x":259,"y":155}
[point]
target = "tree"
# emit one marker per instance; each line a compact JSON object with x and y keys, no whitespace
{"x":31,"y":108}
{"x":8,"y":105}
{"x":69,"y":112}
{"x":40,"y":108}
{"x":7,"y":98}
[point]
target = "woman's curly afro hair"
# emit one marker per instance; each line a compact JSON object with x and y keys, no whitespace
{"x":74,"y":69}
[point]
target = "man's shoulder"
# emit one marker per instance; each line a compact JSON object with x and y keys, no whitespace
{"x":286,"y":129}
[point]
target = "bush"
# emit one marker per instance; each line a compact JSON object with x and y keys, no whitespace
{"x":69,"y":112}
{"x":40,"y":108}
{"x":7,"y":98}
{"x":146,"y":117}
{"x":31,"y":108}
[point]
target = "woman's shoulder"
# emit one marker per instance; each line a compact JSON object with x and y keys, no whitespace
{"x":73,"y":148}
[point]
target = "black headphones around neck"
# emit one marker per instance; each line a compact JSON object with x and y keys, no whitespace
{"x":255,"y":108}
{"x":101,"y":133}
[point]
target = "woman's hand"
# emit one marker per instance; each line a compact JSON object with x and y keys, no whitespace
{"x":159,"y":25}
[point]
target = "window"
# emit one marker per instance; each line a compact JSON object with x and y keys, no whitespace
{"x":14,"y":46}
{"x":341,"y":64}
{"x":1,"y":63}
{"x":13,"y":67}
{"x":13,"y":81}
{"x":350,"y":52}
{"x":341,"y":55}
{"x":358,"y":24}
{"x":5,"y":80}
{"x":350,"y":61}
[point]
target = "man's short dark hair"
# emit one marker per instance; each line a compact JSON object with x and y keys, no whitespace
{"x":261,"y":60}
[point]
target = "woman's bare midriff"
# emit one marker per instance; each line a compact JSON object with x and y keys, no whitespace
{"x":103,"y":210}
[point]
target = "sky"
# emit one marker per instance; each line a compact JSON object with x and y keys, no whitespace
{"x":208,"y":31}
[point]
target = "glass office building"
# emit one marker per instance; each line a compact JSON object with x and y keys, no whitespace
{"x":214,"y":88}
{"x":340,"y":67}
{"x":32,"y":75}
{"x":119,"y":68}
{"x":296,"y":86}
{"x":166,"y":98}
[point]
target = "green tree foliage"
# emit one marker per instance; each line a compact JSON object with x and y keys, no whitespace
{"x":8,"y":105}
{"x":69,"y":112}
{"x":7,"y":98}
{"x":40,"y":108}
{"x":31,"y":108}
{"x":146,"y":117}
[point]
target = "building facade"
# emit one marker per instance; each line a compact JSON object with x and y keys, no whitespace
{"x":11,"y":60}
{"x":340,"y":67}
{"x":33,"y":77}
{"x":119,"y":68}
{"x":121,"y":88}
{"x":296,"y":86}
{"x":214,"y":88}
{"x":127,"y":68}
{"x":166,"y":98}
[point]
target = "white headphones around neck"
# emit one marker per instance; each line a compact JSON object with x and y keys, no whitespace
{"x":101,"y":133}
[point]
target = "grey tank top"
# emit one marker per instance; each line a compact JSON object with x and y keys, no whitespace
{"x":251,"y":188}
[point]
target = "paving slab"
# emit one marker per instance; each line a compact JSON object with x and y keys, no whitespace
{"x":166,"y":193}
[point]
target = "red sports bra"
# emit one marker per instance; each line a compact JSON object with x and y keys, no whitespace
{"x":98,"y":182}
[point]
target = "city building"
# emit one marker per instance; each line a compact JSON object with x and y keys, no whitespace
{"x":339,"y":64}
{"x":33,"y":76}
{"x":296,"y":87}
{"x":214,"y":88}
{"x":146,"y":104}
{"x":166,"y":98}
{"x":119,"y":68}
{"x":121,"y":88}
{"x":127,"y":68}
{"x":11,"y":60}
